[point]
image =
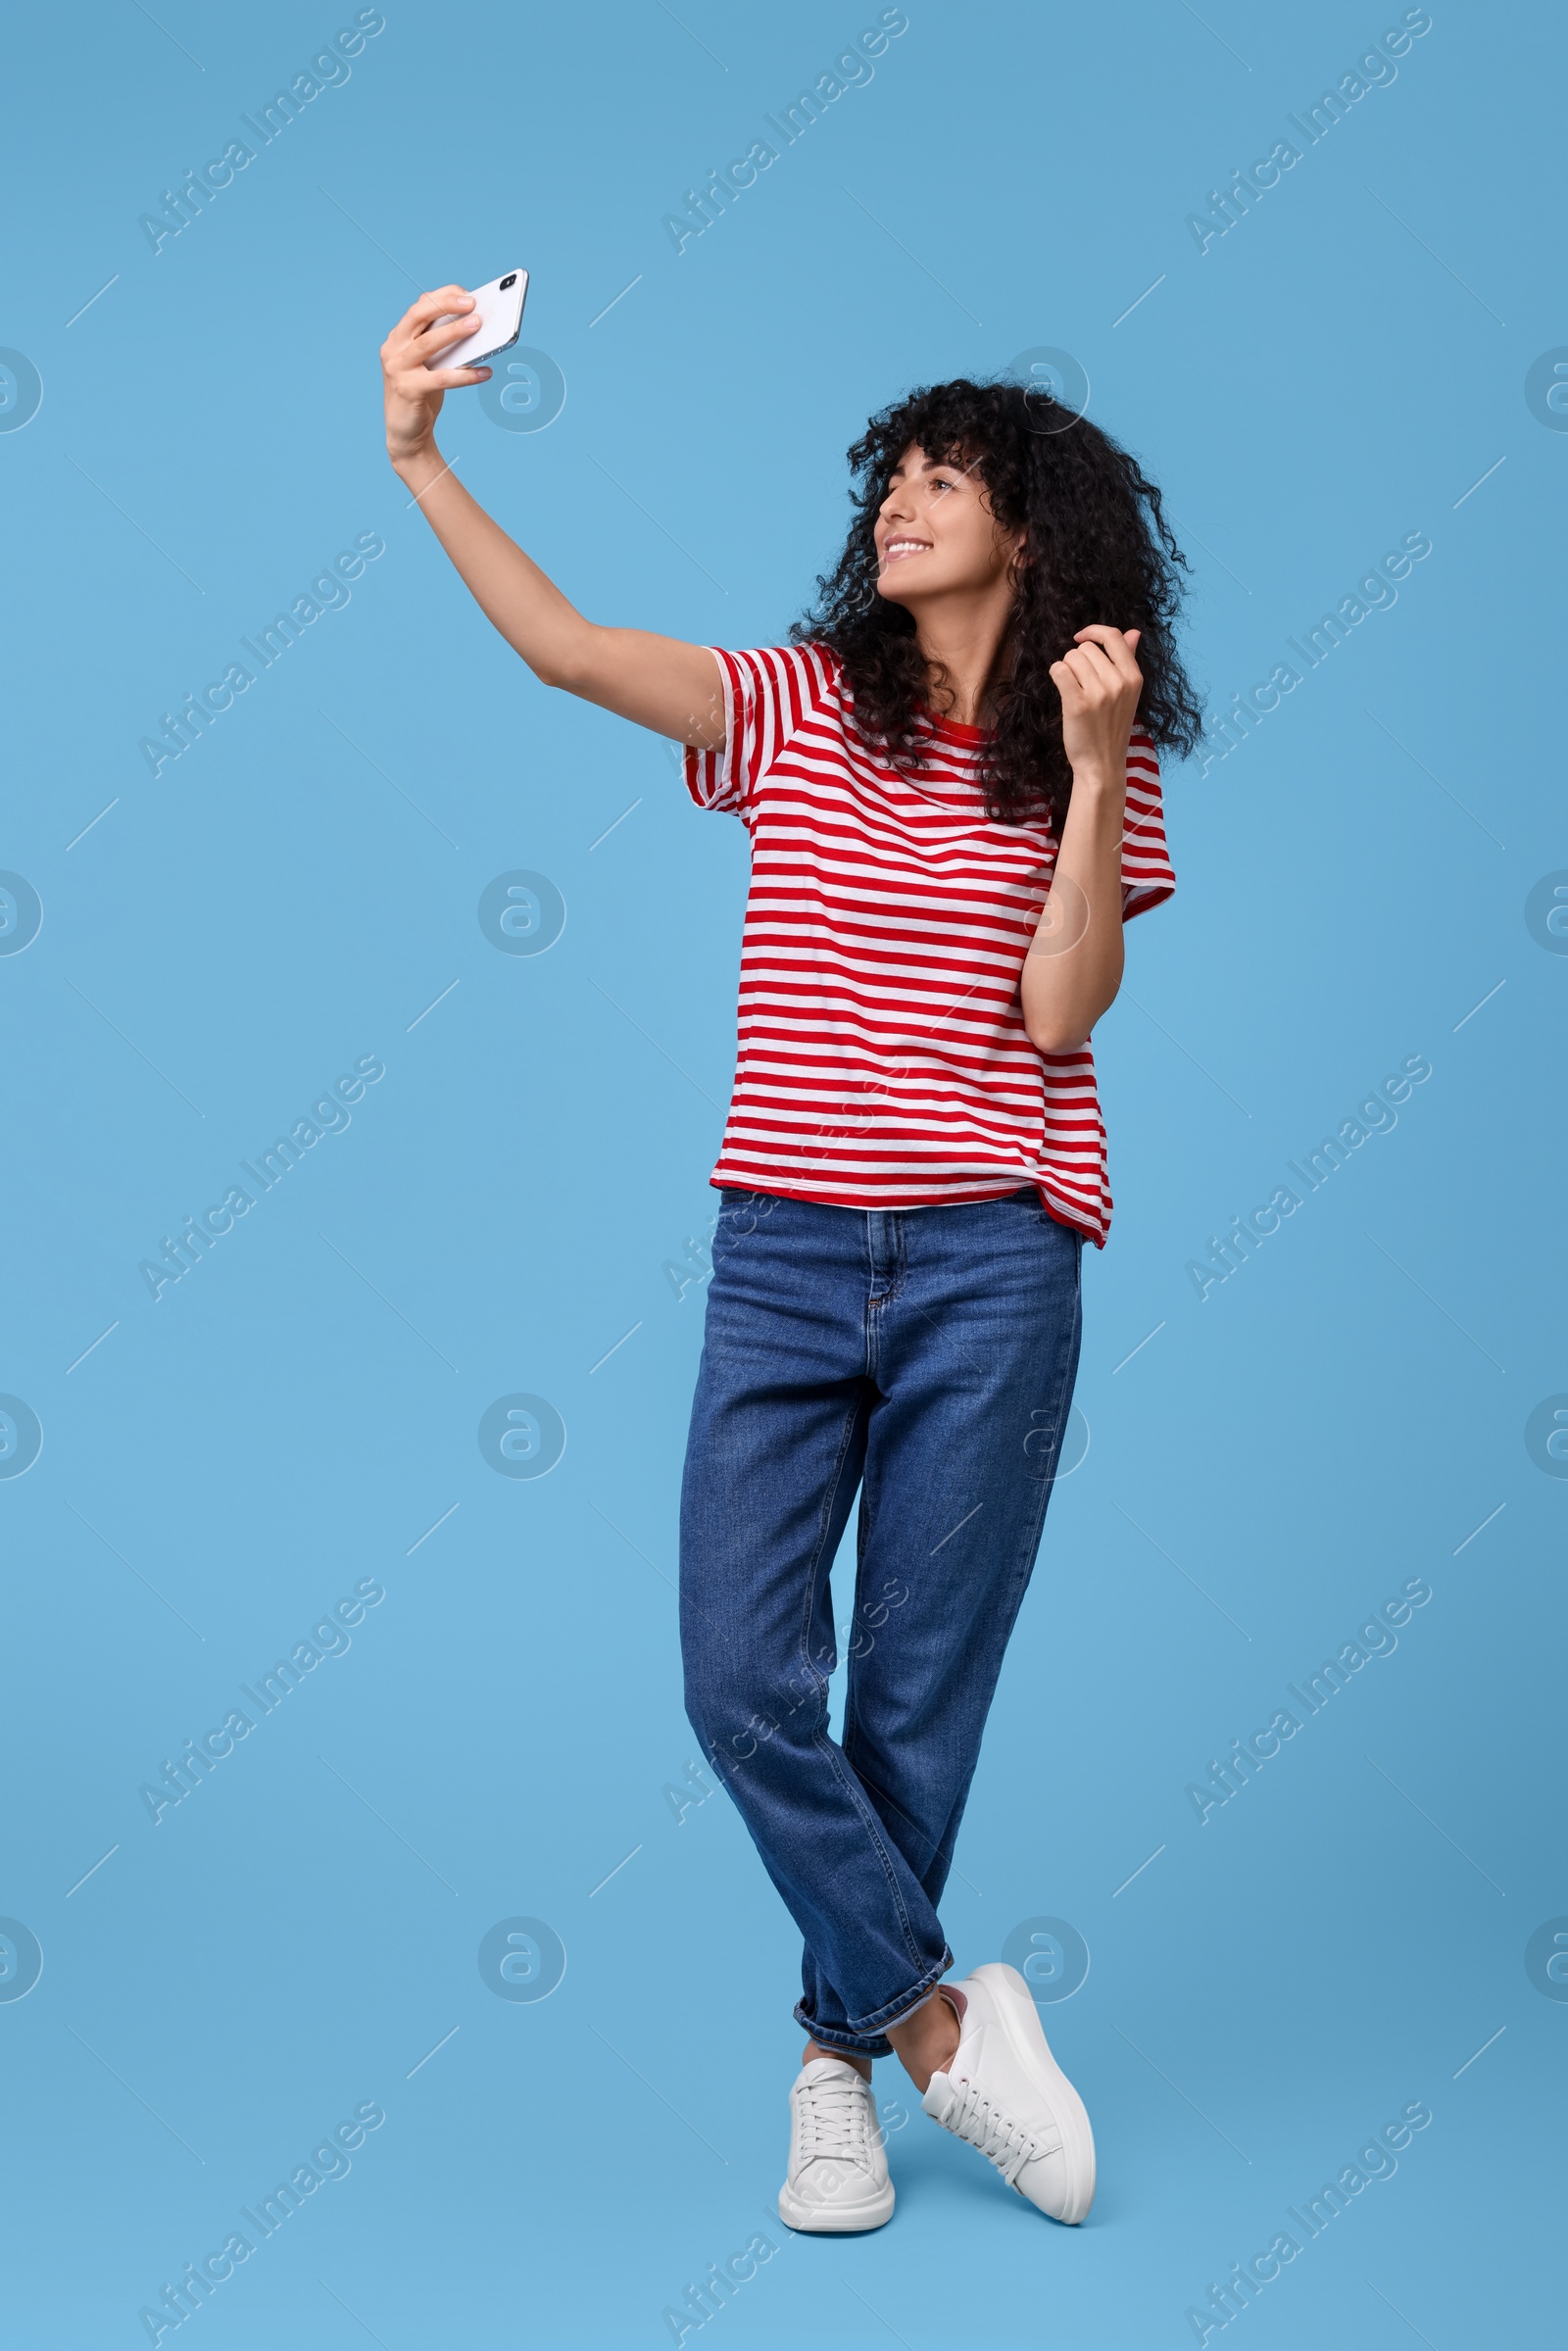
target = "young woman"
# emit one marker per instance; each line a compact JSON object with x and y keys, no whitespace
{"x":949,"y":780}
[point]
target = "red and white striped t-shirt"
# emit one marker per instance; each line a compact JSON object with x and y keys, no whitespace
{"x":883,"y":1060}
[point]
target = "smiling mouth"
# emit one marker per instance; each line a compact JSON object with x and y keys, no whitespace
{"x":896,"y":550}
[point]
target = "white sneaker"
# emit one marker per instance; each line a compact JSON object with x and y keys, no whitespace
{"x":1004,"y":2093}
{"x":838,"y":2174}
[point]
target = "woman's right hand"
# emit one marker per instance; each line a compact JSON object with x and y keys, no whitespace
{"x":413,"y":391}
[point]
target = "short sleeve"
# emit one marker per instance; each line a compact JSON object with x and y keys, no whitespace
{"x":1147,"y":878}
{"x":767,"y":696}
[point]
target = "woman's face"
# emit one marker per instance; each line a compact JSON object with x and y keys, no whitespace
{"x":936,"y":535}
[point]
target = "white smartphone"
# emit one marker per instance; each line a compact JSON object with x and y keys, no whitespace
{"x":491,"y":326}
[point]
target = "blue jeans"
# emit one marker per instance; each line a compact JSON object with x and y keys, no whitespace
{"x":927,"y":1356}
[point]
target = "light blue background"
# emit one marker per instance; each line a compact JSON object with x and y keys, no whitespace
{"x":1340,"y":1416}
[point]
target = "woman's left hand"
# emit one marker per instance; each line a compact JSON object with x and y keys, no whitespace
{"x":1100,"y":683}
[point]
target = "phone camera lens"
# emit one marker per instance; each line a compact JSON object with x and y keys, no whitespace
{"x":509,"y":281}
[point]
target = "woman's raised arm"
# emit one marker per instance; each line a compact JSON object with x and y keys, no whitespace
{"x":657,"y":682}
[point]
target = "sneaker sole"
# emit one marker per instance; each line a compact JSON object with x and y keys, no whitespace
{"x":825,"y":2220}
{"x":1020,"y":2018}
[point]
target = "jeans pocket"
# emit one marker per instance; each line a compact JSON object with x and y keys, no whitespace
{"x":1027,"y":1200}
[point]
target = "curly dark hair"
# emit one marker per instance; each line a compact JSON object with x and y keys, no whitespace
{"x":1098,"y":547}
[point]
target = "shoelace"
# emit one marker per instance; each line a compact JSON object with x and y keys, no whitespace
{"x":833,"y":2119}
{"x":973,"y":2118}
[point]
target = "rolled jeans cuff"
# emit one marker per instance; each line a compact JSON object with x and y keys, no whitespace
{"x":870,"y":2041}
